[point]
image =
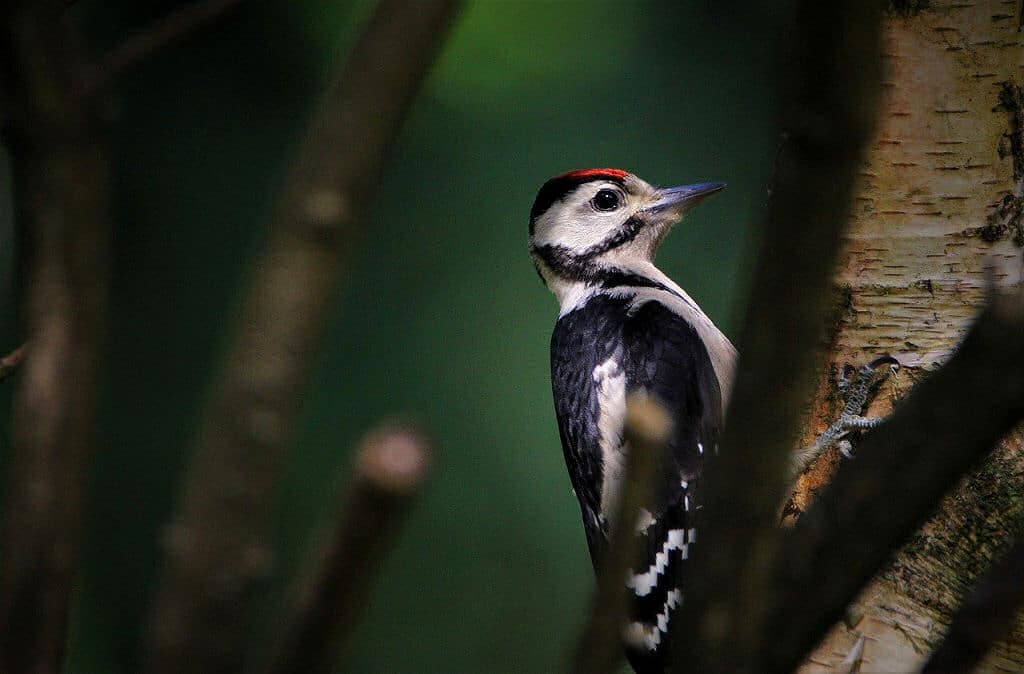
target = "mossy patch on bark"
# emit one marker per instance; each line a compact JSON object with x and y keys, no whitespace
{"x":976,"y":522}
{"x":1006,"y":221}
{"x":1011,"y":99}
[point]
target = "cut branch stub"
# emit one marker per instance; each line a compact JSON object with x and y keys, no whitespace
{"x":329,"y":598}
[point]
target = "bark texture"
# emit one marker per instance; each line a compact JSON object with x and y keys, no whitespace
{"x":939,"y":201}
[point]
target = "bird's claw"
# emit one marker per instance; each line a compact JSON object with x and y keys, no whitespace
{"x":858,"y":387}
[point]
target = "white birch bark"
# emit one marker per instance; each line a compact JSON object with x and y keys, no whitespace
{"x":940,"y":200}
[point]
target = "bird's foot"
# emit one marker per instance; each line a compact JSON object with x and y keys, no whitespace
{"x":858,"y":387}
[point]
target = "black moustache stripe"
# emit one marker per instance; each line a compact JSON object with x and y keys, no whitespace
{"x":626,"y":232}
{"x":580,"y":266}
{"x":564,"y":263}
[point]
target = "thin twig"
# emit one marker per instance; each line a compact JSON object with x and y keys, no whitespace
{"x":984,"y":618}
{"x":833,"y":87}
{"x":647,"y":431}
{"x":854,"y":660}
{"x":10,"y":363}
{"x":164,"y":33}
{"x":329,"y":599}
{"x":943,"y":428}
{"x":60,"y":168}
{"x":217,"y":549}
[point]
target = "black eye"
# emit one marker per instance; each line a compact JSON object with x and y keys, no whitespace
{"x":606,"y":200}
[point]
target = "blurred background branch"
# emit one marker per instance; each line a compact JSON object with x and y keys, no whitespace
{"x":217,"y":549}
{"x":59,"y":163}
{"x":329,"y":598}
{"x":179,"y":25}
{"x":831,"y":102}
{"x":10,"y":363}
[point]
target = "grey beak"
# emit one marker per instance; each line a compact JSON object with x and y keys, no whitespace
{"x":684,"y":197}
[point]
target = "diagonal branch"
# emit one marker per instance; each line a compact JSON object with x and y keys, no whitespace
{"x":832,"y":91}
{"x":391,"y":466}
{"x":60,"y":165}
{"x":10,"y":363}
{"x":903,"y":468}
{"x":217,"y":548}
{"x":177,"y":26}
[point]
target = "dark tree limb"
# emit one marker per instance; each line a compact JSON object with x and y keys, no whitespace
{"x":903,"y":468}
{"x":10,"y":363}
{"x":328,"y":600}
{"x":832,"y":94}
{"x":175,"y":27}
{"x":60,"y":167}
{"x":985,"y":617}
{"x":646,"y":430}
{"x":217,"y":549}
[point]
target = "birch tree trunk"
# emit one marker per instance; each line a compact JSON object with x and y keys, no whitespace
{"x":940,"y":200}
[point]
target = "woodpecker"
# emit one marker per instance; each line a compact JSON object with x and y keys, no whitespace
{"x":624,"y":327}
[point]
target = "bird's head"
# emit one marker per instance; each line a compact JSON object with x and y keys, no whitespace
{"x":590,"y":219}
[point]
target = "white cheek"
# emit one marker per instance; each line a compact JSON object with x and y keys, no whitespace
{"x":577,"y":231}
{"x":581,"y":233}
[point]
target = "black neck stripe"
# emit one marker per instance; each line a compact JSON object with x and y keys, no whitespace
{"x":568,"y":266}
{"x":576,"y":268}
{"x":619,"y":278}
{"x":563,"y":263}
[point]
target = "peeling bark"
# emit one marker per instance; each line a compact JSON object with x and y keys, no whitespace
{"x":939,"y":201}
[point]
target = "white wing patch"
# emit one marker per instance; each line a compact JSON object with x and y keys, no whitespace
{"x":610,"y":384}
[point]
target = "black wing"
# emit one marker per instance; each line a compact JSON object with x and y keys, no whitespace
{"x":665,"y":358}
{"x":581,"y":340}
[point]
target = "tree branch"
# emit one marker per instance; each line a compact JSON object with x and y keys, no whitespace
{"x":60,"y":167}
{"x":392,"y":463}
{"x":984,"y":618}
{"x":178,"y":25}
{"x":10,"y":363}
{"x":217,"y":548}
{"x":902,"y":469}
{"x":646,"y":431}
{"x":832,"y":97}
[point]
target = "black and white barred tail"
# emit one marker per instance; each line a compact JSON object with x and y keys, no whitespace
{"x":657,"y":583}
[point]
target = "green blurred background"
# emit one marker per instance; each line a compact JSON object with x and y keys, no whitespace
{"x":443,"y":317}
